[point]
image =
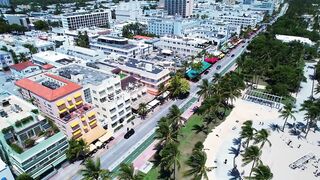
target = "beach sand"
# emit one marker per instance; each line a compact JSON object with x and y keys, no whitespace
{"x":277,"y":157}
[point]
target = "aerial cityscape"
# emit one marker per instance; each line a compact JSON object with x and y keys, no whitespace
{"x":159,"y":89}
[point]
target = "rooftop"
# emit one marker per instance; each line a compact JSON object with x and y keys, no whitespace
{"x":13,"y":109}
{"x":22,"y":66}
{"x":37,"y":87}
{"x":84,"y":75}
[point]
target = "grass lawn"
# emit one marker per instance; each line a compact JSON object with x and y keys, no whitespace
{"x":187,"y":141}
{"x":122,"y":75}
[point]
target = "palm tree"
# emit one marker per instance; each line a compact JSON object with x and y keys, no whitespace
{"x":165,"y":132}
{"x":287,"y":113}
{"x":185,"y":66}
{"x":174,"y":115}
{"x":170,"y":158}
{"x":93,"y":171}
{"x":197,"y":164}
{"x":197,"y":66}
{"x":24,"y":176}
{"x":77,"y":149}
{"x":204,"y":91}
{"x":216,"y":77}
{"x":142,"y":110}
{"x":312,"y":113}
{"x":251,"y":154}
{"x":262,"y":172}
{"x":161,"y":88}
{"x":262,"y":137}
{"x":127,"y":172}
{"x":247,"y":132}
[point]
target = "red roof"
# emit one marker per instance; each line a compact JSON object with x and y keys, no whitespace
{"x":22,"y":66}
{"x":47,"y":93}
{"x":142,"y":37}
{"x":212,"y":60}
{"x":47,"y":66}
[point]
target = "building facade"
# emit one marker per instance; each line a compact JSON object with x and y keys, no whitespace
{"x":179,"y":7}
{"x":63,"y":101}
{"x":74,"y":21}
{"x":103,"y":90}
{"x":24,"y":69}
{"x":6,"y":60}
{"x":28,"y":141}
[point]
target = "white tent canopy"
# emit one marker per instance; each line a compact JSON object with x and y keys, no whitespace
{"x":166,"y":51}
{"x":92,"y":147}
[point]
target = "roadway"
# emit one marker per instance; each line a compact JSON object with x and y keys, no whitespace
{"x":124,"y":148}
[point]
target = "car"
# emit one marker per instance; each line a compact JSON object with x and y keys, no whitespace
{"x":218,"y":67}
{"x":232,"y":55}
{"x":129,"y":134}
{"x":243,"y":46}
{"x":206,"y":72}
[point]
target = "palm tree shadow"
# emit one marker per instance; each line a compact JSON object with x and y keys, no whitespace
{"x":274,"y":127}
{"x":234,"y":173}
{"x":235,"y":151}
{"x":236,"y":141}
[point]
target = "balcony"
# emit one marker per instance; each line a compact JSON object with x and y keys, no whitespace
{"x":79,"y":111}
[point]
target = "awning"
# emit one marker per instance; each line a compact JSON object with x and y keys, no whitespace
{"x":63,"y":110}
{"x":105,"y":137}
{"x":83,"y":118}
{"x":91,"y":114}
{"x":93,"y":134}
{"x":74,"y":124}
{"x":85,"y":127}
{"x":92,"y":147}
{"x":77,"y":95}
{"x":165,"y":94}
{"x":59,"y":103}
{"x":77,"y":132}
{"x":92,"y":122}
{"x":153,"y":103}
{"x":71,"y":106}
{"x":69,"y":99}
{"x":79,"y":102}
{"x":166,"y":51}
{"x":98,"y":144}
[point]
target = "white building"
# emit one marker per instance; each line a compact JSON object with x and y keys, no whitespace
{"x":120,"y":46}
{"x":24,"y":69}
{"x":85,"y":54}
{"x":128,"y":11}
{"x":182,"y":45}
{"x":5,"y":60}
{"x":239,"y":20}
{"x":53,"y":58}
{"x":20,"y":19}
{"x":99,"y":18}
{"x":5,"y":173}
{"x":169,"y":26}
{"x":104,"y":91}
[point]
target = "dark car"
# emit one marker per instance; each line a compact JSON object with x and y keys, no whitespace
{"x":129,"y":134}
{"x":243,"y":46}
{"x":218,"y":67}
{"x":232,"y":55}
{"x":206,"y":72}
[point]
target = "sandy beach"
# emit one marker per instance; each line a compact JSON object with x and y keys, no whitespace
{"x":278,"y":157}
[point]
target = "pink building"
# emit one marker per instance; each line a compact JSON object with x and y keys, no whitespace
{"x":62,"y":101}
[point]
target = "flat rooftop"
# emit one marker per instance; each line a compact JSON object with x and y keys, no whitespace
{"x":46,"y":86}
{"x":88,"y":75}
{"x":16,"y":110}
{"x":143,"y":65}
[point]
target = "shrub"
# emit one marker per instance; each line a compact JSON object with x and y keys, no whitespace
{"x":29,"y":143}
{"x":35,"y":111}
{"x":18,"y":124}
{"x":16,"y":148}
{"x":26,"y":119}
{"x":41,"y":133}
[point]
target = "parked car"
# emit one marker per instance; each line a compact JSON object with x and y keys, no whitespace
{"x":206,"y":72}
{"x":129,"y":134}
{"x":232,"y":55}
{"x":218,"y":67}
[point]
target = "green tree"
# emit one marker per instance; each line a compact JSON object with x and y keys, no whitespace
{"x":262,"y":137}
{"x":41,"y":25}
{"x":165,"y":133}
{"x":247,"y":132}
{"x":170,"y":158}
{"x":287,"y":113}
{"x":262,"y":172}
{"x":83,"y":40}
{"x":93,"y":171}
{"x":174,"y":116}
{"x":58,"y":9}
{"x":204,"y":89}
{"x":197,"y":164}
{"x":31,"y":48}
{"x":143,"y":110}
{"x":24,"y":176}
{"x":77,"y":149}
{"x":252,"y":155}
{"x":311,"y":108}
{"x":127,"y":172}
{"x":178,"y":86}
